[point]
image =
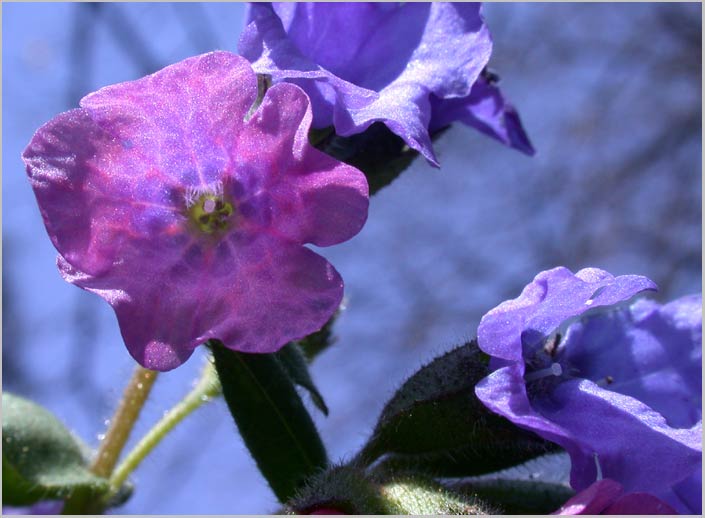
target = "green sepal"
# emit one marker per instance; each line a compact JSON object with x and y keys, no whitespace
{"x":344,"y":488}
{"x":518,"y":496}
{"x":41,"y":459}
{"x":377,"y":152}
{"x":422,"y":496}
{"x":294,"y":362}
{"x":436,"y":424}
{"x":271,"y":417}
{"x":315,"y":343}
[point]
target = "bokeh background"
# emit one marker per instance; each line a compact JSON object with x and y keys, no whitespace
{"x":611,"y":97}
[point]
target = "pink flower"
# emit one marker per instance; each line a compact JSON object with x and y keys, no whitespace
{"x":187,"y":214}
{"x":606,"y":497}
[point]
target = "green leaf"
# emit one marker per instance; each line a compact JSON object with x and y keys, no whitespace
{"x":344,"y":488}
{"x":436,"y":424}
{"x":518,"y":496}
{"x":41,"y":460}
{"x":315,"y":343}
{"x":293,"y":360}
{"x":271,"y":418}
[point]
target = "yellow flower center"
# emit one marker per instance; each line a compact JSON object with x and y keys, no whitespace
{"x":211,"y":213}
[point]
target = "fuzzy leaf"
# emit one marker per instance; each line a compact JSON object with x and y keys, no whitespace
{"x":436,"y":423}
{"x":41,"y":460}
{"x":271,"y":418}
{"x":293,"y":360}
{"x":419,"y":496}
{"x":519,"y":496}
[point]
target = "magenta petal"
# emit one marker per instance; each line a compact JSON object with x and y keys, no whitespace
{"x":189,"y":113}
{"x":58,"y":159}
{"x":592,"y":500}
{"x":313,"y":198}
{"x":639,"y":503}
{"x":252,"y":293}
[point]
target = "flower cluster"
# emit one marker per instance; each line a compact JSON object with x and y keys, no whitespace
{"x":620,"y":385}
{"x":187,"y":213}
{"x":417,"y":67}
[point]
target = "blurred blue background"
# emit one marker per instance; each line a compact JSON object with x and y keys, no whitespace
{"x":611,"y":97}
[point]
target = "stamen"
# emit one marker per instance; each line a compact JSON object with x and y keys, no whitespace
{"x":554,"y":370}
{"x":193,"y":193}
{"x":607,"y":380}
{"x":597,"y":465}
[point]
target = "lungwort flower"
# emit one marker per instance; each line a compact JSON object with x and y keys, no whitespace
{"x":616,"y":384}
{"x":416,"y":67}
{"x":185,"y":212}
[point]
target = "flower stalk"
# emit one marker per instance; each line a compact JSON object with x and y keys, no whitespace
{"x":123,"y":421}
{"x":207,"y":387}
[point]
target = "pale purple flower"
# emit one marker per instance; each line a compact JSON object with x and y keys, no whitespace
{"x":607,"y":497}
{"x":188,"y":215}
{"x":621,"y":389}
{"x":414,"y":66}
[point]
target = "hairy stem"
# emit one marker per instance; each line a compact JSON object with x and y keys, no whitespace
{"x":207,"y":387}
{"x":133,"y":399}
{"x":123,"y":421}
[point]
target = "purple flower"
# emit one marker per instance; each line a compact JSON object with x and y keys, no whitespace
{"x":415,"y":66}
{"x":607,"y":497}
{"x":623,"y":387}
{"x":188,"y":215}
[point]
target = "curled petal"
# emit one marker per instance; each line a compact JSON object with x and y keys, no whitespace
{"x":553,"y":297}
{"x":486,"y":110}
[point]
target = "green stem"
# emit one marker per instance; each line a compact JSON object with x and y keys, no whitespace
{"x":133,"y":399}
{"x":123,"y":421}
{"x":208,"y":387}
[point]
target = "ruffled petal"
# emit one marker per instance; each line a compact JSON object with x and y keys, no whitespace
{"x":382,"y":66}
{"x":96,"y":211}
{"x":504,"y":393}
{"x":553,"y":297}
{"x":254,"y":293}
{"x":486,"y":110}
{"x":650,"y":352}
{"x":312,"y":197}
{"x":265,"y":43}
{"x":634,"y":444}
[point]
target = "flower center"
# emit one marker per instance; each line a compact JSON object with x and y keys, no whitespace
{"x":545,"y":366}
{"x":211,"y":213}
{"x":555,"y":369}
